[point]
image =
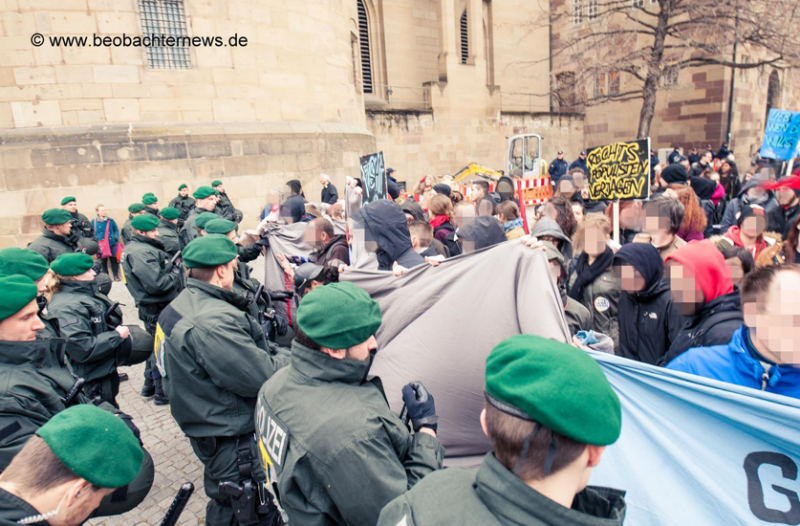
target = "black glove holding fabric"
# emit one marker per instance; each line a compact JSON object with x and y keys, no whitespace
{"x":420,"y":406}
{"x":263,"y":242}
{"x":129,"y":422}
{"x":281,"y":324}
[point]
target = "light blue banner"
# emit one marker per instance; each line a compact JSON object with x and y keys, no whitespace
{"x":781,"y":135}
{"x":700,"y":452}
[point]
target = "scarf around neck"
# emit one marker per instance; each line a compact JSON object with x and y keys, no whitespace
{"x":587,"y":273}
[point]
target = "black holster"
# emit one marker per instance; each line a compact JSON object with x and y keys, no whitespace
{"x":252,"y":503}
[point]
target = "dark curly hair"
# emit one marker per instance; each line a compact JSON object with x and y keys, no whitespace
{"x":566,"y":218}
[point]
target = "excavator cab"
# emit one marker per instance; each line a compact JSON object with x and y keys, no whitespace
{"x":525,"y":156}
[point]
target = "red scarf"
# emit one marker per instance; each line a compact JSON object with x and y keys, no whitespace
{"x":439,"y":221}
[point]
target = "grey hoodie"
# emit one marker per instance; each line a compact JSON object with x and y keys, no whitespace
{"x":548,"y":227}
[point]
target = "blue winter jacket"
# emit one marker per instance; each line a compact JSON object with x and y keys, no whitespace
{"x":100,"y":231}
{"x":733,"y":363}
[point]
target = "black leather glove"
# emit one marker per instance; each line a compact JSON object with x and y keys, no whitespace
{"x":420,"y":406}
{"x":263,"y":242}
{"x":129,"y":422}
{"x":281,"y":324}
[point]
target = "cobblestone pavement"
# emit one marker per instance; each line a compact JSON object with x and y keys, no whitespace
{"x":173,"y":457}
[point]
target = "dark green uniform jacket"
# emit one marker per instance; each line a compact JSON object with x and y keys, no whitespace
{"x":226,"y":209}
{"x":168,"y":235}
{"x":34,"y":380}
{"x":93,"y":346}
{"x":146,"y":273}
{"x":127,"y":231}
{"x":214,"y":359}
{"x":152,"y":211}
{"x":189,"y":230}
{"x":493,"y":496}
{"x":339,"y":452}
{"x":50,"y":245}
{"x":13,"y":509}
{"x":601,"y":298}
{"x":184,"y":205}
{"x":82,"y":225}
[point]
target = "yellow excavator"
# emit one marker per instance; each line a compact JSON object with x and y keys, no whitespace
{"x":474,"y":169}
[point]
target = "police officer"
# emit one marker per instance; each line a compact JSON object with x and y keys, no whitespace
{"x":225,"y":207}
{"x":168,"y":230}
{"x":558,"y":168}
{"x":202,"y":220}
{"x":60,"y":478}
{"x":205,"y":201}
{"x":549,"y":413}
{"x":153,"y":279}
{"x":136,"y":209}
{"x":56,"y":238}
{"x":339,"y":452}
{"x":81,"y":224}
{"x":97,"y":342}
{"x":215,"y":358}
{"x":32,"y":265}
{"x":33,"y":369}
{"x":183,"y":203}
{"x":150,"y":202}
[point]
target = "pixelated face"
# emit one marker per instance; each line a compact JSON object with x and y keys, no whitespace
{"x":464,"y":215}
{"x":683,"y":288}
{"x":555,"y":270}
{"x":566,"y":188}
{"x":734,"y":267}
{"x":756,"y":192}
{"x":776,"y":317}
{"x":754,"y":226}
{"x":656,"y":224}
{"x":630,"y":217}
{"x":595,"y":240}
{"x":551,"y":211}
{"x":631,"y":280}
{"x":579,"y":179}
{"x":577,"y":211}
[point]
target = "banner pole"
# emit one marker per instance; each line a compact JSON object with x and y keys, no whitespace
{"x":616,"y":221}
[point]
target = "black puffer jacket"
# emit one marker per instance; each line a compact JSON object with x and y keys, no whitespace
{"x":713,"y":325}
{"x":776,"y":221}
{"x":647,"y":320}
{"x":385,"y":223}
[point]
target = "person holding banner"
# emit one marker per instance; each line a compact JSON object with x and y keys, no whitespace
{"x":764,"y":352}
{"x":544,"y":447}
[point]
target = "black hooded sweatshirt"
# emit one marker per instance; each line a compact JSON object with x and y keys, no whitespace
{"x":385,"y":223}
{"x":647,"y":321}
{"x":484,"y":232}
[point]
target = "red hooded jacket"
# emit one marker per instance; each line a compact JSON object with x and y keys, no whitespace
{"x":703,"y":261}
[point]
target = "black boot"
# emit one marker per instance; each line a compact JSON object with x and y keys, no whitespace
{"x":161,"y":396}
{"x":148,"y":389}
{"x":123,"y":377}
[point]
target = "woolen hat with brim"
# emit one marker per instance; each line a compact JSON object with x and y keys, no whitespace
{"x":56,"y":216}
{"x":555,"y":384}
{"x":339,"y":316}
{"x":95,"y":445}
{"x":24,"y":262}
{"x":748,"y":211}
{"x":204,"y":219}
{"x":67,"y":200}
{"x":220,"y":226}
{"x":169,"y":213}
{"x":203,"y":192}
{"x":135,"y":208}
{"x":17,"y":292}
{"x":149,"y":200}
{"x":72,"y":264}
{"x":145,"y":222}
{"x":211,"y":250}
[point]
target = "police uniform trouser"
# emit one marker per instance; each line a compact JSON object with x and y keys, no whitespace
{"x":221,"y":466}
{"x":127,"y":498}
{"x":149,"y":316}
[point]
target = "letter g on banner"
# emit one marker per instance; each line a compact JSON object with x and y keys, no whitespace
{"x":755,"y":489}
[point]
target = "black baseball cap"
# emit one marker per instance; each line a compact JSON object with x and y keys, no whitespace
{"x":304,"y":274}
{"x":583,"y":152}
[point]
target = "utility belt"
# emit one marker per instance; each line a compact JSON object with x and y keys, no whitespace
{"x":252,"y":503}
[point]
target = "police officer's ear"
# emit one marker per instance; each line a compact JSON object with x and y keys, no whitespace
{"x":595,"y":453}
{"x":483,"y":422}
{"x":336,"y":354}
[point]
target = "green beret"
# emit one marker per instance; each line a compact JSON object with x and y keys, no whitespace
{"x":339,"y":315}
{"x":216,"y":183}
{"x":211,"y":250}
{"x":135,"y":208}
{"x":67,"y":200}
{"x":219,"y":226}
{"x":204,"y":219}
{"x":181,"y":187}
{"x":170,"y":213}
{"x":203,"y":192}
{"x":149,"y":200}
{"x":145,"y":222}
{"x":83,"y":438}
{"x":72,"y":264}
{"x":555,"y":384}
{"x":56,"y":216}
{"x":148,"y":194}
{"x":25,"y":262}
{"x":17,"y":291}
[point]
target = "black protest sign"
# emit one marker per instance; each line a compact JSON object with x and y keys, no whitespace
{"x":373,"y":178}
{"x":620,"y":170}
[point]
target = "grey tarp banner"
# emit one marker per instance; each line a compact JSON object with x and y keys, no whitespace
{"x":440,"y":323}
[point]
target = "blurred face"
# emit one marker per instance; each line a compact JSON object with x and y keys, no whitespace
{"x":754,"y":226}
{"x":775,"y":318}
{"x":658,"y":228}
{"x":464,"y":215}
{"x":560,"y":155}
{"x":233,"y":237}
{"x":101,"y":212}
{"x":566,"y":188}
{"x":714,"y":176}
{"x":555,"y":270}
{"x":89,"y":275}
{"x":220,"y":188}
{"x":725,"y":168}
{"x":22,"y":326}
{"x":71,"y":207}
{"x":735,"y":269}
{"x":582,"y":155}
{"x":274,"y":198}
{"x":707,"y":157}
{"x":62,"y":230}
{"x":785,"y":196}
{"x":577,"y":211}
{"x":580,"y":180}
{"x":477,"y":192}
{"x":594,"y":241}
{"x":683,"y":289}
{"x":630,"y":217}
{"x":323,"y":181}
{"x":631,"y":280}
{"x":314,"y":237}
{"x":550,"y":211}
{"x":183,"y":192}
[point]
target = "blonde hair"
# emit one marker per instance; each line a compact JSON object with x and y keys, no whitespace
{"x":52,"y":283}
{"x":597,"y":220}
